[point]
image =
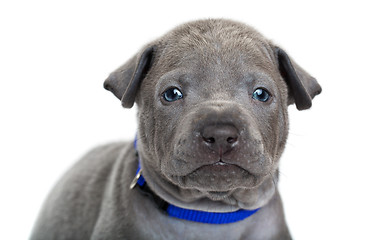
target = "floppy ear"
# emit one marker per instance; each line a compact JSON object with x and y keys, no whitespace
{"x":302,"y":86}
{"x":125,"y":81}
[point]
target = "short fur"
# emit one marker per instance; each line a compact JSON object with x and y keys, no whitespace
{"x":217,"y":64}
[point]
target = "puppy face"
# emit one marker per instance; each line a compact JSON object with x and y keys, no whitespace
{"x":212,"y":113}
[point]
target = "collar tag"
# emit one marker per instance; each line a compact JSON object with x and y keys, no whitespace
{"x":135,"y":179}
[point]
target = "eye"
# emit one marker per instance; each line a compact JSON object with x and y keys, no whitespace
{"x":261,"y":94}
{"x":172,"y":94}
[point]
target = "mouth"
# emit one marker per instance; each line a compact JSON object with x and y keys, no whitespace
{"x":218,"y":195}
{"x":219,"y":169}
{"x":220,"y":163}
{"x":217,"y":180}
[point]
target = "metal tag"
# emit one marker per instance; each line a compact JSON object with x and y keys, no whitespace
{"x":135,"y":179}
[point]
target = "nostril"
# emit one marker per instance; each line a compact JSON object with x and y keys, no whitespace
{"x":209,"y":140}
{"x":232,"y":140}
{"x":220,"y":135}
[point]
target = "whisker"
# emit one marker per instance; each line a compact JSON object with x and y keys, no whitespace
{"x":274,"y":183}
{"x":281,"y":173}
{"x":296,"y":134}
{"x":290,"y":144}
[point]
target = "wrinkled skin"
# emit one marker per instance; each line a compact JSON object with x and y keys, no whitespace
{"x":217,"y":78}
{"x":216,"y":148}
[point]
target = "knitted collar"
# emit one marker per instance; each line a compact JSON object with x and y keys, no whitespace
{"x":188,"y":214}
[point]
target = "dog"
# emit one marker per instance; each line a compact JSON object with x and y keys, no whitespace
{"x":212,"y":99}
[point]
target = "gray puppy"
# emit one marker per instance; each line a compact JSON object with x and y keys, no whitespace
{"x":212,"y":100}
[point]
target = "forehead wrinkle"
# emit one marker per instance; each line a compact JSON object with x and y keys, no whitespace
{"x":172,"y":77}
{"x":216,"y":43}
{"x":261,"y":77}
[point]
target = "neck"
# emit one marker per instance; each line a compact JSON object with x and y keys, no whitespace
{"x":201,"y":208}
{"x":248,"y":199}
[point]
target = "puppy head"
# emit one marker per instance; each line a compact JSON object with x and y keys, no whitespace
{"x":212,"y":97}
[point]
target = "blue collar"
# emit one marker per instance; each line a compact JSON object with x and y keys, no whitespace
{"x":188,"y":214}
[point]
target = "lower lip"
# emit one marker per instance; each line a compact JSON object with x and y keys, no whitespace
{"x":218,"y":194}
{"x":220,"y":168}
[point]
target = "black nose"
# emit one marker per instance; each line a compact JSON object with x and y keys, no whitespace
{"x":220,"y":138}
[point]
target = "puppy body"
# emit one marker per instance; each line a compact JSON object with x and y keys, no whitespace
{"x":206,"y":141}
{"x":93,"y":201}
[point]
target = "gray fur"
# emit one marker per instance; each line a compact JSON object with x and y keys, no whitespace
{"x":217,"y":64}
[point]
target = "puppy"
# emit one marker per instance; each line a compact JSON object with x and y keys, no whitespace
{"x":212,"y":99}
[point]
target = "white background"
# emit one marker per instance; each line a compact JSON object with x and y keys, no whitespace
{"x":54,"y":57}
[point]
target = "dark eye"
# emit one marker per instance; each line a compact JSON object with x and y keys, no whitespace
{"x":261,"y":95}
{"x":172,"y":94}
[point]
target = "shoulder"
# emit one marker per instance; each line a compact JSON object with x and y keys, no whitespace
{"x":76,"y":199}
